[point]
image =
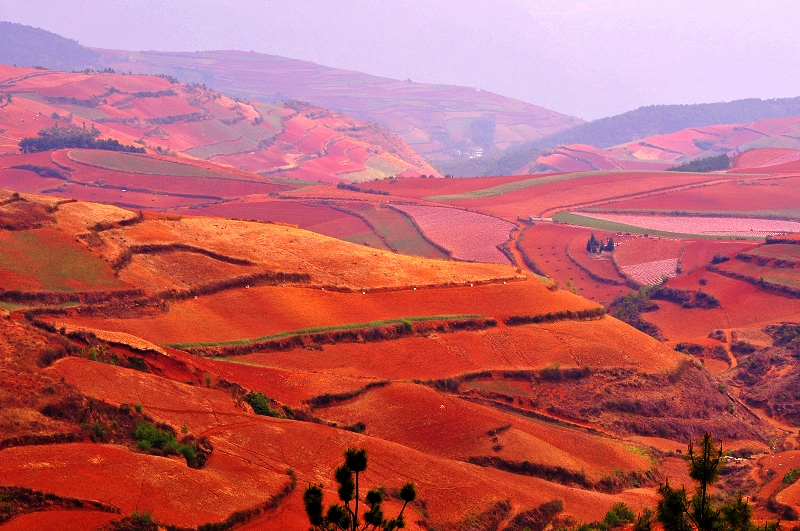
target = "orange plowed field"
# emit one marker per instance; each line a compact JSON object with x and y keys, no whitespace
{"x":777,"y":275}
{"x":304,"y":446}
{"x":180,"y":404}
{"x":638,"y":250}
{"x":741,"y":305}
{"x":166,"y":488}
{"x":731,"y":196}
{"x":240,"y":313}
{"x":598,"y":263}
{"x":418,"y":417}
{"x":445,"y":355}
{"x":756,"y":158}
{"x":319,"y":218}
{"x":565,"y":163}
{"x":418,"y":188}
{"x":699,"y":253}
{"x":545,"y":244}
{"x":27,"y":181}
{"x":549,"y":197}
{"x":61,"y":520}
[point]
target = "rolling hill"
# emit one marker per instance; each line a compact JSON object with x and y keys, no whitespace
{"x":637,"y":126}
{"x":290,"y":140}
{"x":161,"y":320}
{"x":26,"y":46}
{"x":440,"y":122}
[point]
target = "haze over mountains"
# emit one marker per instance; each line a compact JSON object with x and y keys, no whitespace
{"x":209,"y":289}
{"x":588,"y":59}
{"x":460,"y":130}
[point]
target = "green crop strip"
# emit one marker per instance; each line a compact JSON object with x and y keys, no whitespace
{"x":320,"y":329}
{"x":584,"y":221}
{"x":526,"y":183}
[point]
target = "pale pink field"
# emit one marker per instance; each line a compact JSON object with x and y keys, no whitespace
{"x":467,"y":235}
{"x":706,"y":226}
{"x":651,"y":272}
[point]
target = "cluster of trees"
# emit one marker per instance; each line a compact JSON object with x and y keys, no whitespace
{"x":344,"y":516}
{"x":72,"y":137}
{"x":597,"y":246}
{"x":677,"y":509}
{"x":704,"y":165}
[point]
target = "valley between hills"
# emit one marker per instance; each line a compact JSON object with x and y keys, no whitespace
{"x":196,"y":321}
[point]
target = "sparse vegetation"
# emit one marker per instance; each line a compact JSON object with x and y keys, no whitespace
{"x":677,"y":511}
{"x":341,"y":516}
{"x":160,"y":440}
{"x":703,"y":165}
{"x":262,"y":405}
{"x":72,"y":137}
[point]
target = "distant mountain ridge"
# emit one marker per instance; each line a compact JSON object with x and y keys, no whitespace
{"x":26,"y":46}
{"x":631,"y":126}
{"x":441,"y":122}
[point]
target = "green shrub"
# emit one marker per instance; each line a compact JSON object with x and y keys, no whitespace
{"x":791,"y":476}
{"x":262,"y":405}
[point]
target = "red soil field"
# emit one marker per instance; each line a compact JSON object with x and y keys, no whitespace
{"x":450,"y":427}
{"x":730,"y":196}
{"x":586,"y":190}
{"x":698,"y":254}
{"x":290,"y":387}
{"x":661,"y":151}
{"x":176,"y":403}
{"x":784,"y":168}
{"x":564,"y":163}
{"x":637,"y":250}
{"x":316,"y":139}
{"x":591,"y":155}
{"x":552,"y":259}
{"x":167,"y":488}
{"x":392,"y":464}
{"x":297,"y":308}
{"x":756,"y":158}
{"x":568,"y":343}
{"x":296,"y":129}
{"x":26,"y":181}
{"x":162,"y":107}
{"x":782,"y":251}
{"x":278,"y":444}
{"x":236,"y":128}
{"x":255,"y":162}
{"x":755,"y":272}
{"x":397,"y":228}
{"x":741,"y":305}
{"x":61,"y":520}
{"x":598,"y":263}
{"x":268,"y":209}
{"x":418,"y":188}
{"x":135,"y":200}
{"x":196,"y":186}
{"x":283,"y":248}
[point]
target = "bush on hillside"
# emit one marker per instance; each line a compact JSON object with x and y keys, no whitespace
{"x":72,"y":137}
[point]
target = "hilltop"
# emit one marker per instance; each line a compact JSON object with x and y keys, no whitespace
{"x":290,"y":140}
{"x":640,"y":127}
{"x":26,"y":46}
{"x":440,"y":122}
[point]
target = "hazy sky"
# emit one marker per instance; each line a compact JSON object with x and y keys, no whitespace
{"x":588,"y":58}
